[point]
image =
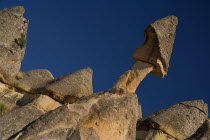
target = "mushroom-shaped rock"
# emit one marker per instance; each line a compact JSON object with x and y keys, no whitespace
{"x":13,"y":28}
{"x":68,"y":88}
{"x":152,"y":57}
{"x":179,"y":121}
{"x":157,"y":48}
{"x":33,"y":80}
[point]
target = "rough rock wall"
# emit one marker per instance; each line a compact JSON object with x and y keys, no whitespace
{"x":13,"y":28}
{"x":36,"y":106}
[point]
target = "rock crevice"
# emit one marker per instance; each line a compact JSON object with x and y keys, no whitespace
{"x":36,"y":106}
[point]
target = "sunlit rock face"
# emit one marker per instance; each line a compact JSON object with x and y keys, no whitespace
{"x":158,"y":45}
{"x":13,"y":29}
{"x":36,"y":106}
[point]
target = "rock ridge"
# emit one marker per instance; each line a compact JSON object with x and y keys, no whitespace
{"x":36,"y":106}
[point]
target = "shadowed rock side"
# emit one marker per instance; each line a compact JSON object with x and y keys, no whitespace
{"x":203,"y":133}
{"x":35,"y":106}
{"x":20,"y":116}
{"x":13,"y":28}
{"x":178,"y":122}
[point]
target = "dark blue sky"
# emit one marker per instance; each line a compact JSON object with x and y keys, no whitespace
{"x":66,"y":35}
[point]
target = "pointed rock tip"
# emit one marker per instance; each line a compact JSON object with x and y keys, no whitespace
{"x":87,"y":69}
{"x":17,"y":10}
{"x":174,"y":19}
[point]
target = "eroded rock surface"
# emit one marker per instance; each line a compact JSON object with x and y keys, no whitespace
{"x":68,"y":88}
{"x":158,"y":45}
{"x":130,"y":80}
{"x":19,"y":117}
{"x":29,"y":107}
{"x":100,"y":116}
{"x":203,"y":133}
{"x":8,"y":98}
{"x":13,"y":28}
{"x":33,"y":80}
{"x":179,"y":121}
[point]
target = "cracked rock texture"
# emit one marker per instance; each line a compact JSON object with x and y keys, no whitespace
{"x":98,"y":117}
{"x":12,"y":26}
{"x":20,"y":116}
{"x":179,"y":121}
{"x":35,"y":106}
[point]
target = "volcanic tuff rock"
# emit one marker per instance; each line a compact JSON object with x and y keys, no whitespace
{"x":13,"y":28}
{"x":203,"y":133}
{"x":70,"y":87}
{"x":158,"y":45}
{"x":33,"y":80}
{"x":20,"y":116}
{"x":35,"y":106}
{"x":97,"y":117}
{"x":179,"y":121}
{"x":8,"y":98}
{"x":130,"y":80}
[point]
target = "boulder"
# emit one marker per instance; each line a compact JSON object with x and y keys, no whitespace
{"x":33,"y":80}
{"x":13,"y":28}
{"x":16,"y":119}
{"x":68,"y":88}
{"x":99,"y":116}
{"x":8,"y":98}
{"x":179,"y":121}
{"x":157,"y":48}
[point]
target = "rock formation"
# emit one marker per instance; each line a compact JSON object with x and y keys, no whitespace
{"x":176,"y":122}
{"x":13,"y":31}
{"x":36,"y":106}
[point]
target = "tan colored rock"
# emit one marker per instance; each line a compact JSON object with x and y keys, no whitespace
{"x":157,"y":48}
{"x":8,"y":98}
{"x":179,"y":121}
{"x":130,"y":80}
{"x":33,"y":80}
{"x":13,"y":28}
{"x":70,"y":87}
{"x":153,"y":56}
{"x":45,"y":103}
{"x":15,"y":120}
{"x":99,"y":116}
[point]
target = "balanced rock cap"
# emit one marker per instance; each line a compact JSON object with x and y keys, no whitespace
{"x":158,"y":45}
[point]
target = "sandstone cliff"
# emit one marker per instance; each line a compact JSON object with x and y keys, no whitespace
{"x":36,"y":106}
